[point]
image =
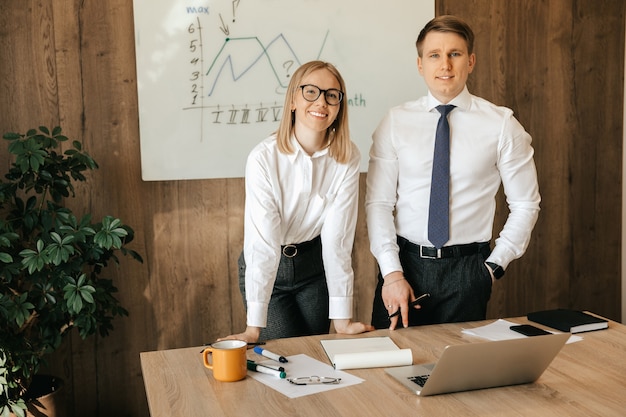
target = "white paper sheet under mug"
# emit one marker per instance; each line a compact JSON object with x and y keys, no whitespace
{"x":380,"y":359}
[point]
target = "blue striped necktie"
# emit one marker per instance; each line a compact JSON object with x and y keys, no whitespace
{"x":438,"y":213}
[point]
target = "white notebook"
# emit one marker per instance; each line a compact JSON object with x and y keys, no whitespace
{"x":366,"y":352}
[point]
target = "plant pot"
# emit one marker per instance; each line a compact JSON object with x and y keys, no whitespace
{"x":44,"y":397}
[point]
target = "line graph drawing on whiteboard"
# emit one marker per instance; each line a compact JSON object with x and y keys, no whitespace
{"x":212,"y":74}
{"x":265,"y":53}
{"x":237,"y":58}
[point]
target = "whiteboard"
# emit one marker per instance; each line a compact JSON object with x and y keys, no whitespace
{"x":212,"y":74}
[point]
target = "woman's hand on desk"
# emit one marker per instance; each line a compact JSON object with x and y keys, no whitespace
{"x":251,"y":335}
{"x":347,"y":326}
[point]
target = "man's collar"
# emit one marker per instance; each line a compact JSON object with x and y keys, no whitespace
{"x":461,"y":101}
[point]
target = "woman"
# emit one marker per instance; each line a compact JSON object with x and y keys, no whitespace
{"x":295,"y":272}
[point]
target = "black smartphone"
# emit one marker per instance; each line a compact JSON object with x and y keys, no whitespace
{"x":529,"y":330}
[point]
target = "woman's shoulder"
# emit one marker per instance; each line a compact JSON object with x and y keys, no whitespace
{"x":355,"y":152}
{"x":269,"y":144}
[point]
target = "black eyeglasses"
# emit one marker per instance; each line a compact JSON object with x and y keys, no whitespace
{"x":312,"y":92}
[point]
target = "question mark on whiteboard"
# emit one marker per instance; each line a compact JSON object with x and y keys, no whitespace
{"x":235,"y":5}
{"x":287,"y":65}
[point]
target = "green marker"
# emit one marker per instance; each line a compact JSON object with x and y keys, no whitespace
{"x":252,"y":366}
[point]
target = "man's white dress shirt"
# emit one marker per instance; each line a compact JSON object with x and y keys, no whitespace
{"x":488,"y":147}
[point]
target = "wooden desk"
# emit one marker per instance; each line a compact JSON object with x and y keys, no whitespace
{"x":587,"y":378}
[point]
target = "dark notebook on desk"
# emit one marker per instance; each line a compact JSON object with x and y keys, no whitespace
{"x":480,"y":365}
{"x":572,"y":321}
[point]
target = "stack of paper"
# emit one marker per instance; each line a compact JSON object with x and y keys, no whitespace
{"x":366,"y":352}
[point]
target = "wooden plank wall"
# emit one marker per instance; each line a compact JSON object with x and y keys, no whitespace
{"x":557,"y":64}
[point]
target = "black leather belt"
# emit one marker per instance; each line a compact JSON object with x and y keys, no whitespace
{"x":453,"y":251}
{"x":290,"y":251}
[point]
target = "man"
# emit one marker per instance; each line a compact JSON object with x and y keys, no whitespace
{"x":487,"y":147}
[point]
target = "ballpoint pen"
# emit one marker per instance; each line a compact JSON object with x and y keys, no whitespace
{"x":411,"y":304}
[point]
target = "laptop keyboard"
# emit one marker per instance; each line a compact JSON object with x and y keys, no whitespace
{"x":419,"y":380}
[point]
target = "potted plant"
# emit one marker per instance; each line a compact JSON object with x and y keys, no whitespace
{"x":51,"y":261}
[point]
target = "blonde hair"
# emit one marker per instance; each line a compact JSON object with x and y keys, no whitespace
{"x":338,"y":133}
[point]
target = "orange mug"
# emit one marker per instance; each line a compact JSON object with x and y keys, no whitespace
{"x":229,"y":360}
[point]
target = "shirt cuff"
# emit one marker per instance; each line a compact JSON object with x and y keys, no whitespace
{"x":501,"y":256}
{"x":340,"y":308}
{"x":257,"y":314}
{"x":389,"y":262}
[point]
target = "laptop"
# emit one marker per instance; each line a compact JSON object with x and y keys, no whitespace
{"x":480,"y":365}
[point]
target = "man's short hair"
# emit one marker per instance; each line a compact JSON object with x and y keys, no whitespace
{"x":447,"y":23}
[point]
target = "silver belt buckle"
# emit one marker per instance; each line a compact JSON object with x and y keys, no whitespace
{"x":287,"y":251}
{"x":437,"y":256}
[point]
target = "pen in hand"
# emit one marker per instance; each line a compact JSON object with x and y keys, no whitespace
{"x":411,"y":304}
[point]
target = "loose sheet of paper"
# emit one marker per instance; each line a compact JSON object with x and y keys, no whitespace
{"x":500,"y":330}
{"x":304,"y":366}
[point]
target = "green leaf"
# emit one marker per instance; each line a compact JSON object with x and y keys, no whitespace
{"x":32,"y":260}
{"x":19,"y":408}
{"x":60,"y":249}
{"x":86,"y":293}
{"x":11,"y":136}
{"x":77,"y":293}
{"x":76,"y":303}
{"x":111,"y":234}
{"x":21,"y":309}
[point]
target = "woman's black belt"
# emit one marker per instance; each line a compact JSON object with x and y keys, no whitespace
{"x":292,"y":250}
